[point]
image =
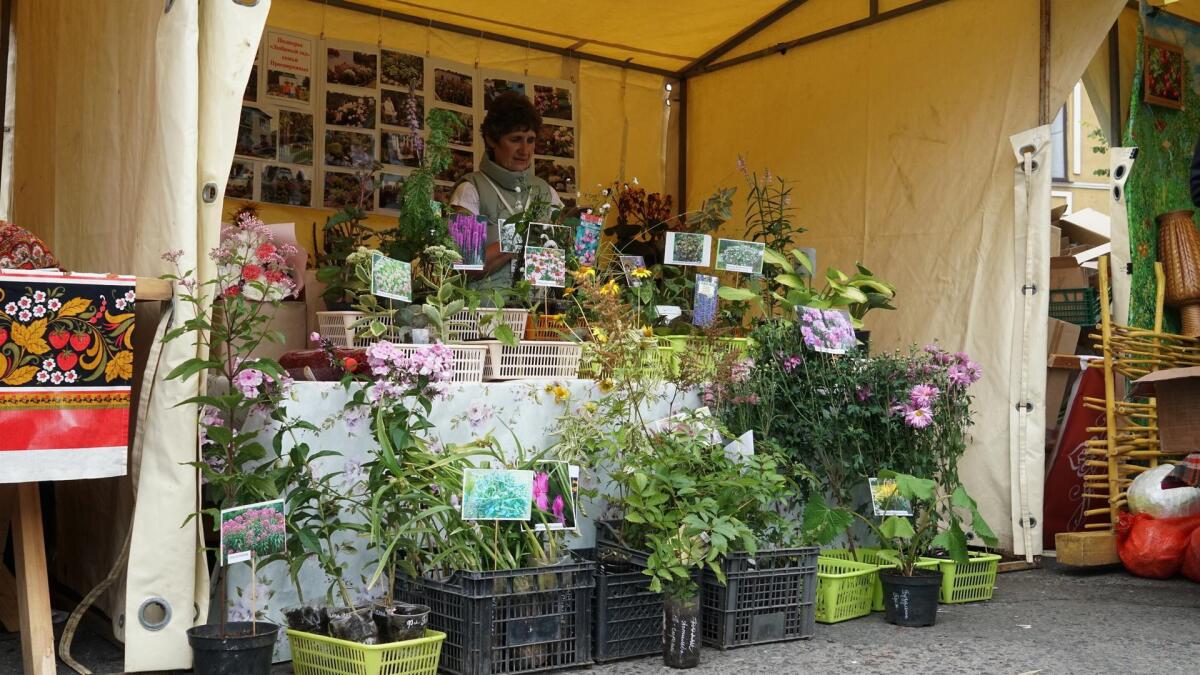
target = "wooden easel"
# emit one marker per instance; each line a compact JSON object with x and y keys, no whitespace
{"x":22,"y":503}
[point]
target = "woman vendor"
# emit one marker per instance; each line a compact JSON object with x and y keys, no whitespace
{"x":504,"y":183}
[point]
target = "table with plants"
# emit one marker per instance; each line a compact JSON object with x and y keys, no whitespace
{"x":645,"y":460}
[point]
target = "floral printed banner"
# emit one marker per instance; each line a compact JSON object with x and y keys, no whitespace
{"x":66,"y":364}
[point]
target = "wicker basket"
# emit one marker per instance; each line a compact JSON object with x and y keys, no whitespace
{"x":534,"y":360}
{"x":464,"y":325}
{"x":339,"y":328}
{"x":468,"y":360}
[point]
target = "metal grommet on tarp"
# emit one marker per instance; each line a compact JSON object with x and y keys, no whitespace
{"x":209,"y":193}
{"x":167,"y":5}
{"x":154,"y":613}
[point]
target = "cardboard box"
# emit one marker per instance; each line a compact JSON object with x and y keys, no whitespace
{"x":1178,"y":394}
{"x":1061,"y":337}
{"x":290,"y":319}
{"x":1087,"y":226}
{"x":1065,"y":272}
{"x":1055,"y":241}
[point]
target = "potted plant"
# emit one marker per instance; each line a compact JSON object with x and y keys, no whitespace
{"x":910,"y":594}
{"x":248,"y":263}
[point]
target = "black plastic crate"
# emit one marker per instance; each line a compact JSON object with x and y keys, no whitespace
{"x":768,"y":597}
{"x":510,"y":621}
{"x":628,"y":615}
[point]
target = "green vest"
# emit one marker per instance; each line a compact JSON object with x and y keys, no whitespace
{"x":499,"y":199}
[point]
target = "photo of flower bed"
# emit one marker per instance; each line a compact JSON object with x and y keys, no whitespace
{"x":351,"y":68}
{"x":561,"y":177}
{"x":241,"y":181}
{"x":402,"y":70}
{"x":347,"y":148}
{"x":349,"y":110}
{"x":285,"y":185}
{"x":687,"y":248}
{"x":740,"y":256}
{"x":342,"y":189}
{"x":295,"y":137}
{"x":462,"y":162}
{"x":391,"y":278}
{"x":493,"y":88}
{"x":254,"y":529}
{"x":452,"y":87}
{"x":554,"y":102}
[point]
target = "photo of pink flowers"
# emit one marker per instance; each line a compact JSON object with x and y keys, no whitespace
{"x":587,"y":239}
{"x":255,"y":531}
{"x":555,"y":496}
{"x":553,"y":102}
{"x":826,"y":330}
{"x":546,"y":266}
{"x":351,"y":68}
{"x":349,"y":110}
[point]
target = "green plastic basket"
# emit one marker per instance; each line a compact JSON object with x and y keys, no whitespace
{"x":656,"y":360}
{"x":319,"y":655}
{"x":969,"y":582}
{"x":880,"y":557}
{"x":844,"y":589}
{"x":708,"y":351}
{"x":1080,"y":306}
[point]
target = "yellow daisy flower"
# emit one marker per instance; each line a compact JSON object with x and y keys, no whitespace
{"x":641,"y":273}
{"x":561,"y":393}
{"x":610,"y":288}
{"x":604,"y":386}
{"x":585,"y":272}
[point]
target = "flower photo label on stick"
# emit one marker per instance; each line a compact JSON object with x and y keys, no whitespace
{"x":253,"y":532}
{"x":587,"y":239}
{"x":634,"y":268}
{"x":497,"y":494}
{"x":704,"y":304}
{"x":734,"y":255}
{"x":470,"y":236}
{"x":555,"y":496}
{"x":885,"y":500}
{"x":390,"y":278}
{"x":546,"y":267}
{"x":688,"y":249}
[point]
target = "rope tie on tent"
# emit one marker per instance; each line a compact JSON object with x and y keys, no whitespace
{"x":380,"y":28}
{"x":118,"y":567}
{"x":324,"y":13}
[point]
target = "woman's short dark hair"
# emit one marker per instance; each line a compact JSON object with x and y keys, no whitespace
{"x":510,"y":112}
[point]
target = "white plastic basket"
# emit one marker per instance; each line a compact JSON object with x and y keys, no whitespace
{"x":534,"y":360}
{"x":468,"y":360}
{"x":464,"y":325}
{"x":338,"y":328}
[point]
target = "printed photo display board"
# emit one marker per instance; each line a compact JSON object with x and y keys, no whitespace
{"x":314,"y":110}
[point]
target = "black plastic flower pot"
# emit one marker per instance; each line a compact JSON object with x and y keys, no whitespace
{"x":911,"y":601}
{"x":681,"y":632}
{"x":400,"y":621}
{"x":864,"y":337}
{"x":244,"y":650}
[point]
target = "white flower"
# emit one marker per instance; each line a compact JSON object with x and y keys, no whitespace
{"x":635,"y":182}
{"x":48,"y":365}
{"x":39,"y":296}
{"x":43,"y":376}
{"x":129,"y":296}
{"x":25,"y":302}
{"x":24,"y":316}
{"x":70,"y":377}
{"x":56,"y":378}
{"x":39,"y":311}
{"x":10,"y":308}
{"x":120,"y":303}
{"x":53,"y":304}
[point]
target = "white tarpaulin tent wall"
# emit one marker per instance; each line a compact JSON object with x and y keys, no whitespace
{"x":898,"y":133}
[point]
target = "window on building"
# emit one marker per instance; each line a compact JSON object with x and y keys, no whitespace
{"x":1058,"y":150}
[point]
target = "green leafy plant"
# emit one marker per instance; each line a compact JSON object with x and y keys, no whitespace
{"x":449,"y":294}
{"x":421,"y":223}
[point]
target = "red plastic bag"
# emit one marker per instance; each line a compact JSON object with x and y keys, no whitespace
{"x":1191,"y":558}
{"x":1151,"y":547}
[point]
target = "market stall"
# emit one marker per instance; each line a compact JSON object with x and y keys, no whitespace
{"x":871,"y":182}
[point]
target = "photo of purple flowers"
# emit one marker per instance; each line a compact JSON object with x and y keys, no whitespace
{"x":704,"y":304}
{"x":587,"y":239}
{"x":470,"y":236}
{"x":826,"y":330}
{"x":254,"y":531}
{"x":555,"y":496}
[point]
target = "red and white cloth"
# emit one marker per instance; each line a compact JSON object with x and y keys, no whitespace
{"x":1185,"y":473}
{"x":66,"y":365}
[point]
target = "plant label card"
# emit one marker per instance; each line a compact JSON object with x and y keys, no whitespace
{"x":390,"y":278}
{"x":470,"y":236}
{"x":688,"y":249}
{"x":695,"y":422}
{"x":884,"y":499}
{"x":741,"y":447}
{"x":546,"y":266}
{"x":547,"y":235}
{"x":734,"y":255}
{"x":252,"y":532}
{"x":828,"y":331}
{"x":555,"y":496}
{"x":587,"y":239}
{"x":668,"y":312}
{"x":497,"y":494}
{"x":704,"y":304}
{"x":631,"y":264}
{"x":510,"y":241}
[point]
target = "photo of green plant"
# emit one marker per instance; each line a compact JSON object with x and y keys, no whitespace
{"x":740,"y":256}
{"x":497,"y":494}
{"x":252,"y":531}
{"x":390,"y":278}
{"x":688,"y":248}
